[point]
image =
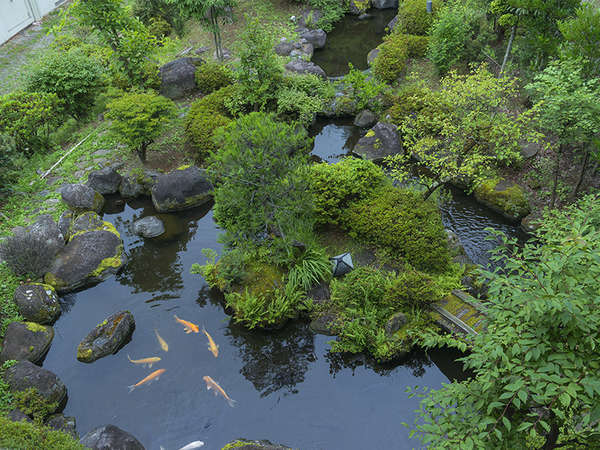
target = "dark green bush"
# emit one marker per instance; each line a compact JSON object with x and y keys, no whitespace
{"x":29,"y":118}
{"x":302,"y":97}
{"x":10,"y":163}
{"x":218,"y":100}
{"x":336,"y":186}
{"x":399,"y":221}
{"x":212,"y":76}
{"x":416,"y":45}
{"x":27,"y":253}
{"x":390,"y":63}
{"x":159,"y":28}
{"x":415,"y":98}
{"x":25,"y":435}
{"x":413,"y":17}
{"x":74,"y":77}
{"x":332,"y":11}
{"x":159,"y":10}
{"x":413,"y":288}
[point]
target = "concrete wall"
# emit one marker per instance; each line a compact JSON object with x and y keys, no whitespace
{"x":15,"y":15}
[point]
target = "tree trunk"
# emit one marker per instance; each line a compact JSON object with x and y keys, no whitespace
{"x":432,"y":189}
{"x":556,"y":174}
{"x":508,"y":49}
{"x":215,"y":32}
{"x":142,"y":152}
{"x":581,"y":173}
{"x":552,"y":436}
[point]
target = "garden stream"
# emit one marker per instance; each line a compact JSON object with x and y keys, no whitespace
{"x":288,"y":387}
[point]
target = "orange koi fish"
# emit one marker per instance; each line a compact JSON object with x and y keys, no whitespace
{"x":214,"y":348}
{"x":145,"y":361}
{"x":188,"y":327}
{"x":161,"y":341}
{"x":153,"y":376}
{"x":212,"y":384}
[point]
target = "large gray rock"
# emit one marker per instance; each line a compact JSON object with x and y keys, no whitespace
{"x":104,"y":181}
{"x":47,"y":229}
{"x":284,"y":48}
{"x":110,"y":437}
{"x":89,"y":257}
{"x":384,"y":4}
{"x":37,"y":302}
{"x":138,"y":182}
{"x":392,"y":23}
{"x":372,"y":55}
{"x":181,"y":189}
{"x":26,"y":341}
{"x":504,"y":197}
{"x":301,"y":66}
{"x":88,"y":221}
{"x":80,"y":198}
{"x":107,"y":337}
{"x":380,"y":141}
{"x":64,"y":223}
{"x":26,"y":375}
{"x":246,"y":444}
{"x":315,"y":37}
{"x":149,"y":227}
{"x":309,"y":18}
{"x":178,"y":78}
{"x":365,"y":119}
{"x":64,"y":424}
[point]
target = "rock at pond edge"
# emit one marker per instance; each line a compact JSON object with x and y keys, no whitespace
{"x":504,"y":197}
{"x":107,"y":337}
{"x":37,"y":302}
{"x":181,"y":189}
{"x":246,"y":444}
{"x":108,"y":437}
{"x":26,"y":341}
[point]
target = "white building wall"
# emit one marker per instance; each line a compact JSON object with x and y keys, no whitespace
{"x":15,"y":15}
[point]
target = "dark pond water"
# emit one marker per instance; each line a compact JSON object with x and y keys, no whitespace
{"x":460,"y":213}
{"x":289,"y":388}
{"x":351,"y":40}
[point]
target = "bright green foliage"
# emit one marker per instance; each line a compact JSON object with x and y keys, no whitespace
{"x":29,"y":118}
{"x":138,"y":119}
{"x":582,"y":38}
{"x":471,"y":132}
{"x":10,"y":163}
{"x":400,"y":222}
{"x":414,"y":98}
{"x":457,"y":35}
{"x":259,"y":187}
{"x":413,"y":17}
{"x":218,"y":100}
{"x":212,"y":76}
{"x":391,"y":61}
{"x":537,"y":367}
{"x":301,"y":97}
{"x":25,"y":435}
{"x":260,"y":71}
{"x":33,"y":404}
{"x":201,"y":122}
{"x":331,"y":10}
{"x":135,"y":59}
{"x":335,"y":187}
{"x":364,"y":89}
{"x":153,"y":11}
{"x":210,"y":14}
{"x":310,"y":269}
{"x":74,"y":77}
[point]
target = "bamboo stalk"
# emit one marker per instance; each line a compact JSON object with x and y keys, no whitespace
{"x":64,"y":156}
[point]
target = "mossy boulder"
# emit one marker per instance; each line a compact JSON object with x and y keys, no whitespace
{"x":26,"y":340}
{"x":504,"y":197}
{"x":80,"y":198}
{"x":107,"y":337}
{"x":89,"y":257}
{"x":88,"y":221}
{"x":105,"y":180}
{"x":305,"y":67}
{"x":324,"y":323}
{"x":37,"y":302}
{"x":110,"y":437}
{"x":148,"y":227}
{"x":138,"y":182}
{"x":25,"y":375}
{"x":178,"y":77}
{"x":66,"y":424}
{"x":379,"y":142}
{"x":365,"y":119}
{"x":246,"y":444}
{"x":181,"y":189}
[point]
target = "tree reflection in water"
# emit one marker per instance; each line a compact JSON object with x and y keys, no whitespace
{"x":417,"y":361}
{"x":275,"y":360}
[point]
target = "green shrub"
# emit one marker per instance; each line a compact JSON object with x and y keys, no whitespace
{"x":25,"y":435}
{"x":27,"y":253}
{"x":458,"y":34}
{"x":138,"y":119}
{"x":133,"y":64}
{"x":218,"y":100}
{"x":416,"y":45}
{"x":10,"y":163}
{"x":201,"y":122}
{"x":414,"y":288}
{"x":415,"y":98}
{"x":331,"y":10}
{"x":74,"y":77}
{"x":302,"y":97}
{"x":336,"y":186}
{"x":312,"y":268}
{"x":212,"y":76}
{"x":364,"y":89}
{"x":391,"y":61}
{"x":29,"y":118}
{"x":159,"y":28}
{"x":149,"y":11}
{"x":399,"y":221}
{"x":413,"y":17}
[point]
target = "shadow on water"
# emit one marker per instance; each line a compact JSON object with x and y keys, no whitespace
{"x":289,"y":388}
{"x":351,"y":40}
{"x":334,"y":139}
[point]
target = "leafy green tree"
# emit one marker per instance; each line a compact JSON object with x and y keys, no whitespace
{"x":536,"y":380}
{"x":210,"y":14}
{"x":260,"y":188}
{"x":539,"y":21}
{"x":465,"y":130}
{"x":74,"y":77}
{"x":569,"y":109}
{"x":582,"y":38}
{"x":138,"y":119}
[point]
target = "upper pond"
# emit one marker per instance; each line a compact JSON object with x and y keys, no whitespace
{"x":351,"y":40}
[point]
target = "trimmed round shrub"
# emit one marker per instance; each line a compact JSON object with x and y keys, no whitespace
{"x":391,"y":60}
{"x":336,"y":186}
{"x":159,"y":28}
{"x":74,"y":77}
{"x":399,"y":221}
{"x":416,"y":45}
{"x":413,"y":17}
{"x":213,"y":76}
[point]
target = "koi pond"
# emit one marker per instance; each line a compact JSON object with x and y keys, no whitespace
{"x":288,"y":387}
